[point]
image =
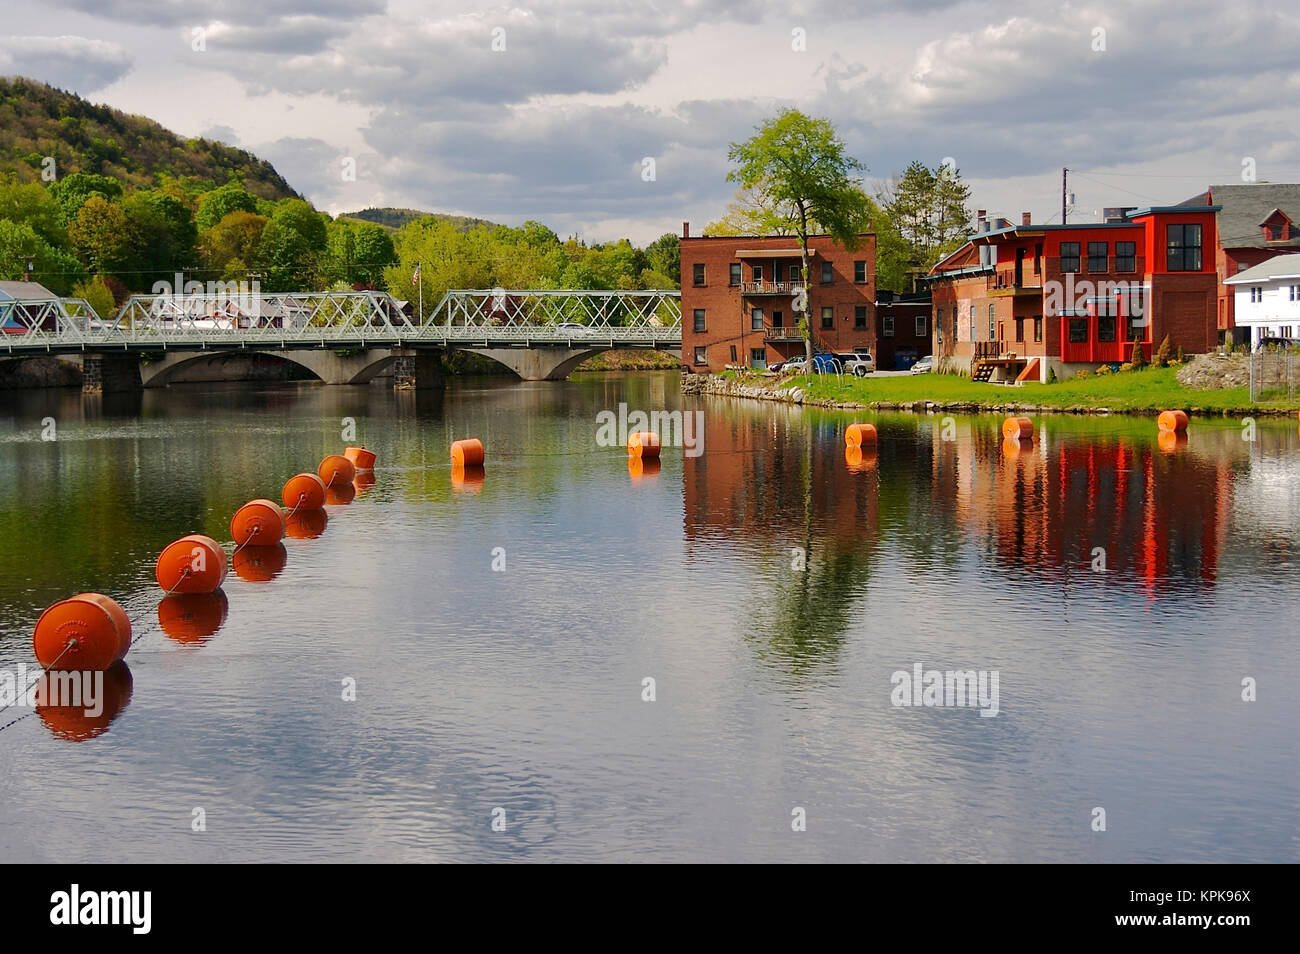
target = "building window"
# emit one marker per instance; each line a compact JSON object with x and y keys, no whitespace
{"x":756,"y":320}
{"x":1295,"y":292}
{"x":778,"y":272}
{"x":1038,"y":257}
{"x":922,"y":326}
{"x":1126,"y":256}
{"x":992,"y":326}
{"x":1078,"y":330}
{"x":859,"y":317}
{"x":972,"y":322}
{"x":734,"y":277}
{"x":1069,"y":256}
{"x":828,"y":318}
{"x":733,"y":354}
{"x":889,"y":326}
{"x":699,"y":356}
{"x":758,"y":358}
{"x":1256,"y":295}
{"x":1020,"y":329}
{"x":1038,"y":328}
{"x":698,"y":271}
{"x":828,"y":273}
{"x":954,"y":324}
{"x":859,"y":272}
{"x":1098,"y":256}
{"x":778,"y":319}
{"x":938,"y":325}
{"x":699,"y":319}
{"x":757,"y":274}
{"x":1184,"y":248}
{"x":1106,"y":328}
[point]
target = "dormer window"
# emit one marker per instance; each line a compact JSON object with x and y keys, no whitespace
{"x":1277,"y":227}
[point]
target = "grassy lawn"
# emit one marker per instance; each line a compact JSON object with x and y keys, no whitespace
{"x":1151,"y":389}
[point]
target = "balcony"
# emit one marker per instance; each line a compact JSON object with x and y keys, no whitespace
{"x":770,"y":288}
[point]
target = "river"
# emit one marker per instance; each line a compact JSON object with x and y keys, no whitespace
{"x":500,"y":637}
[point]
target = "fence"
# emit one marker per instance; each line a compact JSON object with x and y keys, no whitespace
{"x":1274,"y":376}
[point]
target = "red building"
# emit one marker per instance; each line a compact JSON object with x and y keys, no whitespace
{"x":740,"y":294}
{"x":1255,"y":221}
{"x":1018,"y":301}
{"x":902,"y":330}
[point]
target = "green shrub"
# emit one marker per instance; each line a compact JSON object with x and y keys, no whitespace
{"x":1082,"y":374}
{"x":1139,"y":357}
{"x":1126,"y":366}
{"x":1103,"y":369}
{"x":1051,"y":375}
{"x":1179,"y":356}
{"x":1164,"y":353}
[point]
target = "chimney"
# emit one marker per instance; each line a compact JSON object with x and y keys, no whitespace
{"x":979,"y":219}
{"x":1024,"y":218}
{"x":686,"y":230}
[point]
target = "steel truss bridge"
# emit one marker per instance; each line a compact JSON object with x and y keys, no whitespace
{"x":468,"y":319}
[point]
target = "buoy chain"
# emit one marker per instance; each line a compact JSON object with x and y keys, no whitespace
{"x":253,"y":531}
{"x":16,"y":721}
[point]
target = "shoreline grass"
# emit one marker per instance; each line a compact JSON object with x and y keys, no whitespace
{"x":1152,"y":389}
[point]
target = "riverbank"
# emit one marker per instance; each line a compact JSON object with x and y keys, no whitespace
{"x":1135,"y":392}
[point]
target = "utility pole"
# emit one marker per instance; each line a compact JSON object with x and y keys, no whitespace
{"x":1064,"y":172}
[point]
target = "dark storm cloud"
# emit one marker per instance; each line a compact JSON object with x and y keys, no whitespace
{"x":68,"y":62}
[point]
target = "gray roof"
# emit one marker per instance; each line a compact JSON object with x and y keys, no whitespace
{"x":1279,"y":266}
{"x":1245,"y":206}
{"x":17,"y":291}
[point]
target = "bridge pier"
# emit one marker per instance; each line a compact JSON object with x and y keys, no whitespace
{"x":110,"y":373}
{"x":539,"y":364}
{"x":417,"y":370}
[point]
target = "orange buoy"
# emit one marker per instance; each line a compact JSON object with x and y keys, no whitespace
{"x":336,"y":469}
{"x":192,"y":617}
{"x":340,"y":495}
{"x":304,"y":492}
{"x":1018,"y":429}
{"x":465,"y":477}
{"x":643,"y":444}
{"x":362,"y":459}
{"x":192,"y":564}
{"x":860,"y":459}
{"x":89,"y":631}
{"x":258,"y":523}
{"x":467,"y":453}
{"x":1171,"y":442}
{"x":1175,"y":421}
{"x":78,"y":722}
{"x":365,"y":480}
{"x":1011,"y":448}
{"x":305,"y":524}
{"x":260,"y":564}
{"x":641,"y":467}
{"x":860,"y":435}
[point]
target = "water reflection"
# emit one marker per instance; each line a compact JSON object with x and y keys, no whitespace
{"x":194,"y":617}
{"x":78,"y":723}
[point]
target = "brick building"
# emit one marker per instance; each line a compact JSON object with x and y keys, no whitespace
{"x":902,"y":330}
{"x":1255,"y":222}
{"x":1018,"y":301}
{"x":739,"y":295}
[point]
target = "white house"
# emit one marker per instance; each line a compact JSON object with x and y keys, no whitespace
{"x":1266,"y":299}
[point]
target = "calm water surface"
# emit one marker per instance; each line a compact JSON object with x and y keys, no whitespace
{"x":521,"y":690}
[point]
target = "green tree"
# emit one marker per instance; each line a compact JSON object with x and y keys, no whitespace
{"x":100,"y":237}
{"x":72,"y":191}
{"x":216,"y":204}
{"x":358,"y":252}
{"x":235,"y":237}
{"x":162,"y":237}
{"x":664,"y":255}
{"x":799,"y":165}
{"x":32,"y":203}
{"x":928,"y":207}
{"x":54,"y":268}
{"x":98,"y":295}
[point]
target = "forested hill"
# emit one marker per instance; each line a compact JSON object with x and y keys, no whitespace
{"x":394,"y":219}
{"x":37,"y":120}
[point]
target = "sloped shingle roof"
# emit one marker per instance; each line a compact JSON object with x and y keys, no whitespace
{"x":1245,"y":206}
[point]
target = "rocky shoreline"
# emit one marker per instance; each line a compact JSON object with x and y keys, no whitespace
{"x":717,"y":385}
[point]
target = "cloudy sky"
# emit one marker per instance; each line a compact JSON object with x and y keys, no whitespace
{"x":1148,"y":101}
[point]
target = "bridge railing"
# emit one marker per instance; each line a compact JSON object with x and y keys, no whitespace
{"x":346,"y":320}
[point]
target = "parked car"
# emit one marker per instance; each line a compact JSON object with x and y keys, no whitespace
{"x":573,"y":328}
{"x":776,"y":365}
{"x":856,"y":362}
{"x":923,"y":365}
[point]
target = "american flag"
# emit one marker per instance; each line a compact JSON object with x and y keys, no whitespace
{"x":415,"y":276}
